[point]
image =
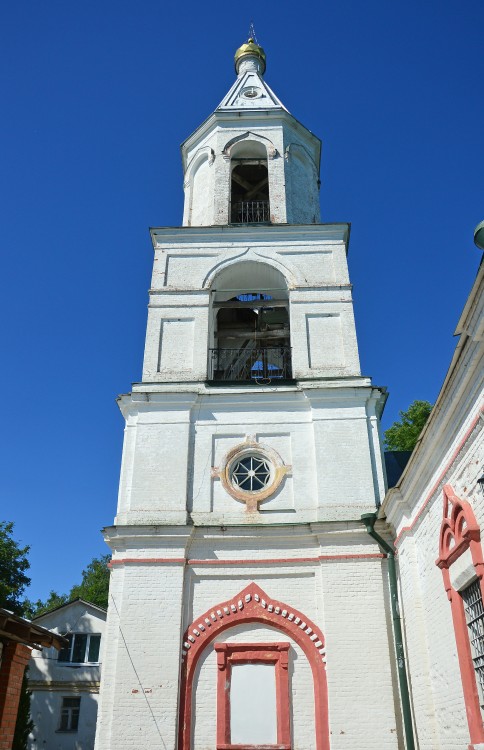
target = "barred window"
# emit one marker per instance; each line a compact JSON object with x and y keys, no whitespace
{"x":474,"y":611}
{"x":251,"y":473}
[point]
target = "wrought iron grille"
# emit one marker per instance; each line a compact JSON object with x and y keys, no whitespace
{"x":251,"y":473}
{"x":250,"y":212}
{"x":250,"y":363}
{"x":474,"y":610}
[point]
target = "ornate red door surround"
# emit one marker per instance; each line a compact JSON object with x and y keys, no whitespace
{"x":253,"y":605}
{"x":459,"y":532}
{"x":252,"y":653}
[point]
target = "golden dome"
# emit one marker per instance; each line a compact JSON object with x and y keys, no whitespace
{"x":251,"y":49}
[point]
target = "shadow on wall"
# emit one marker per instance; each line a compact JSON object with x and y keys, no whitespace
{"x":63,"y":720}
{"x":395,"y":462}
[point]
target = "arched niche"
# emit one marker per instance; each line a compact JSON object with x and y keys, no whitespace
{"x":303,"y":195}
{"x":461,"y":561}
{"x":249,"y":182}
{"x":250,"y":326}
{"x":198,"y":181}
{"x":251,"y":606}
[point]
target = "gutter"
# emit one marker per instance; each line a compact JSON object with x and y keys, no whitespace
{"x":389,"y":551}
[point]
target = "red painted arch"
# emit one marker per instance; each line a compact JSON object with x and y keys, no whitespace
{"x":459,"y":531}
{"x":253,"y":605}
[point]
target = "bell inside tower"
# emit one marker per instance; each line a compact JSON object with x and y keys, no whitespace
{"x":249,"y":184}
{"x":250,"y":323}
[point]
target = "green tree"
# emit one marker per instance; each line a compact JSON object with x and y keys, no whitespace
{"x":24,"y":724}
{"x":403,"y":434}
{"x":35,"y":609}
{"x":13,"y":564}
{"x":94,"y":586}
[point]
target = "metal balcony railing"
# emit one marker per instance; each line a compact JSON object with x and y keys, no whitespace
{"x":250,"y":363}
{"x":250,"y":212}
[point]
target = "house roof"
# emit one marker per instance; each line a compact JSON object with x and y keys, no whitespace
{"x":20,"y":630}
{"x":77,"y":600}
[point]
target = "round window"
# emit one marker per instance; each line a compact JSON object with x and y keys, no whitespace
{"x":251,"y":473}
{"x":251,"y":92}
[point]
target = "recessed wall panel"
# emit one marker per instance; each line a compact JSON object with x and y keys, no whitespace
{"x":177,"y":339}
{"x":325,"y":341}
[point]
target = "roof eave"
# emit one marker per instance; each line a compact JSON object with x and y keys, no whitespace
{"x":19,"y":630}
{"x":227,"y":115}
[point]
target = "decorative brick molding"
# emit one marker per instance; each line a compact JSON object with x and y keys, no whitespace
{"x":251,"y":447}
{"x":253,"y":605}
{"x":15,"y":658}
{"x":252,"y":653}
{"x":241,"y":561}
{"x":459,"y":532}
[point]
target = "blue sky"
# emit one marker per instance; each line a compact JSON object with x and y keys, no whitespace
{"x":97,"y":96}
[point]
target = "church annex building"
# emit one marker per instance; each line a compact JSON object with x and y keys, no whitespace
{"x":266,"y":590}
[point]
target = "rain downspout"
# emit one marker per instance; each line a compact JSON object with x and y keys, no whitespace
{"x":389,"y":551}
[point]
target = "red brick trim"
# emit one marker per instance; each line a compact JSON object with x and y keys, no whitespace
{"x":15,"y":658}
{"x":252,"y":653}
{"x":261,"y":561}
{"x":253,"y":605}
{"x":285,"y":560}
{"x":147,"y":560}
{"x":459,"y":531}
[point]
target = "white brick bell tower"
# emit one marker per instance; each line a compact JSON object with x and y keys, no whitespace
{"x":246,"y":596}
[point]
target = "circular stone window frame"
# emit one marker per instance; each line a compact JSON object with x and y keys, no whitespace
{"x":251,"y":92}
{"x":277,"y":466}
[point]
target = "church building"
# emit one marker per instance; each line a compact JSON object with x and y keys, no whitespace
{"x":250,"y":606}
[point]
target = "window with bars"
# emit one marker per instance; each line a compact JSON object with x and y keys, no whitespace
{"x":69,"y":718}
{"x":82,"y":648}
{"x":474,"y":612}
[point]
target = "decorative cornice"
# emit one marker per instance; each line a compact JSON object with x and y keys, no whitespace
{"x":249,"y":234}
{"x":84,"y":686}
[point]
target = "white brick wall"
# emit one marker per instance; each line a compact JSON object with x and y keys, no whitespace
{"x":451,"y":451}
{"x":345,"y":597}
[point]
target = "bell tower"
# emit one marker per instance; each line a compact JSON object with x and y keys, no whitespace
{"x":269,"y":166}
{"x":245,"y":595}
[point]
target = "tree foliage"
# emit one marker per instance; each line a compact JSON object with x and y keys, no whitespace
{"x":24,"y":724}
{"x":35,"y":609}
{"x":403,"y":434}
{"x":94,"y":588}
{"x":13,"y":564}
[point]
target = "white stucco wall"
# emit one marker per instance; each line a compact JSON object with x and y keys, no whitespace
{"x":45,"y":710}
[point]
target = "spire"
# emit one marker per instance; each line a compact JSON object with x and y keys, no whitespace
{"x":250,"y":90}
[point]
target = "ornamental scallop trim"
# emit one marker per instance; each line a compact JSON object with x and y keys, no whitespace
{"x":253,"y":605}
{"x":254,"y":599}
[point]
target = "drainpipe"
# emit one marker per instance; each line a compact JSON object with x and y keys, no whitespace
{"x":389,"y":551}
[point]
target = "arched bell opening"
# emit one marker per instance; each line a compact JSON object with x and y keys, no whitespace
{"x":249,"y":184}
{"x":251,"y":338}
